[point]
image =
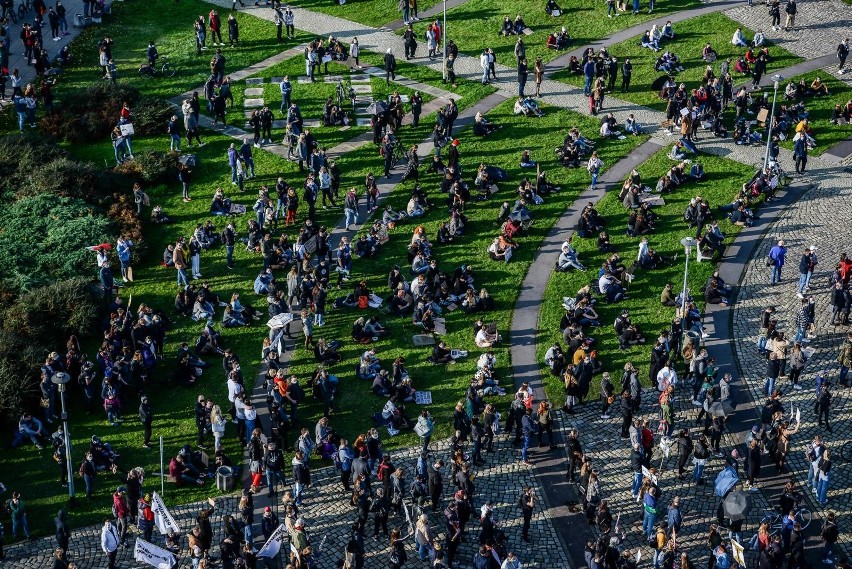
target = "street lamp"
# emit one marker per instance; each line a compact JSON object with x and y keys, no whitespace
{"x":777,"y":78}
{"x":688,"y":243}
{"x":444,"y":40}
{"x":60,"y":379}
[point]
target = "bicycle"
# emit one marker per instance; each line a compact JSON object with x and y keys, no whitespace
{"x":774,"y":517}
{"x":784,"y":179}
{"x":846,"y":452}
{"x":342,"y":94}
{"x":164,"y":68}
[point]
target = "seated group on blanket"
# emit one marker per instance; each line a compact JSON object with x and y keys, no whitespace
{"x":512,"y":28}
{"x":652,"y":38}
{"x":558,"y":40}
{"x":574,"y":148}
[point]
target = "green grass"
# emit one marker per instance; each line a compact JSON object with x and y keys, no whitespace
{"x":820,"y":109}
{"x":373,"y":13}
{"x":448,"y":384}
{"x":476,"y":25}
{"x":132,"y":27}
{"x":723,"y":179}
{"x":690,"y":37}
{"x":469,"y":91}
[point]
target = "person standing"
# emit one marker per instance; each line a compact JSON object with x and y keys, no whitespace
{"x":179,"y":260}
{"x":626,"y":74}
{"x":229,"y":239}
{"x":122,"y":513}
{"x":88,"y":472}
{"x":527,"y":505}
{"x":594,"y":167}
{"x":109,"y":543}
{"x":286,"y":91}
{"x":830,"y":534}
{"x":436,"y":484}
{"x":522,"y":76}
{"x":845,"y":359}
{"x":538,"y":75}
{"x":842,"y":54}
{"x":823,"y":403}
{"x":529,"y":426}
{"x":390,"y":66}
{"x":806,"y":270}
{"x":63,"y":532}
{"x":145,"y":518}
{"x":18,"y":513}
{"x":146,"y":417}
{"x":791,"y":10}
{"x":289,"y":21}
{"x":776,"y":261}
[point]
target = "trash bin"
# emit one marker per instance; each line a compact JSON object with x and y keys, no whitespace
{"x":225,"y":478}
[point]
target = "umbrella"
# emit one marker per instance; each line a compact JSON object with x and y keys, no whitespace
{"x":721,"y":409}
{"x":53,"y":71}
{"x":725,"y":481}
{"x":737,"y":505}
{"x":280,"y":320}
{"x":496,"y":174}
{"x":377,"y":108}
{"x":188,"y":160}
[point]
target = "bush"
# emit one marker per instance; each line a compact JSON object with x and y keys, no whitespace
{"x":92,"y":113}
{"x":41,"y":317}
{"x":150,"y":168}
{"x":44,"y":238}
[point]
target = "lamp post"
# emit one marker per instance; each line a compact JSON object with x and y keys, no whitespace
{"x":688,"y":243}
{"x":777,"y":78}
{"x":60,"y":379}
{"x":444,"y":40}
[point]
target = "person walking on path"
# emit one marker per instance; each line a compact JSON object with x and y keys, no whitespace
{"x":776,"y":261}
{"x":63,"y":532}
{"x":842,"y":54}
{"x":830,"y":535}
{"x":522,"y":76}
{"x":800,"y":152}
{"x":845,"y":360}
{"x":146,"y":417}
{"x":390,"y":66}
{"x":121,"y":509}
{"x":791,"y":10}
{"x":109,"y":543}
{"x":527,"y":505}
{"x":18,"y":513}
{"x":806,"y":269}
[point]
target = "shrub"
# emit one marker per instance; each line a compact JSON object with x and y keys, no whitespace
{"x":92,"y":113}
{"x":44,"y":238}
{"x":150,"y":168}
{"x":41,"y":317}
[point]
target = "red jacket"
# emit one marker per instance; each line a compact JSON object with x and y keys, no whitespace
{"x":119,"y":502}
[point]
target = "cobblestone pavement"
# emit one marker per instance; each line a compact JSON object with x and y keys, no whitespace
{"x":819,"y":218}
{"x":820,"y":25}
{"x":325,"y":506}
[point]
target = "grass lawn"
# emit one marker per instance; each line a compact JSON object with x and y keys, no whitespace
{"x":156,"y":286}
{"x":469,"y":91}
{"x":690,"y":37}
{"x":723,"y":179}
{"x":476,"y":25}
{"x":132,"y":27}
{"x":448,"y":383}
{"x":820,"y":109}
{"x":373,"y":13}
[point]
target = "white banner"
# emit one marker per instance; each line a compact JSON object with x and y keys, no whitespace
{"x":162,"y":517}
{"x":154,"y":556}
{"x":273,"y":544}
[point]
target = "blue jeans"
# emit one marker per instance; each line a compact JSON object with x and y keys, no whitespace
{"x":229,"y":250}
{"x":610,"y":9}
{"x":174,"y":144}
{"x":800,"y":334}
{"x":297,"y":492}
{"x":22,"y":115}
{"x":822,"y":490}
{"x":648,"y":524}
{"x":521,"y":85}
{"x":351,"y":216}
{"x":22,"y":523}
{"x":587,"y":86}
{"x":233,"y":174}
{"x":770,"y":385}
{"x":90,"y":483}
{"x":423,"y":551}
{"x":697,"y":472}
{"x":485,"y":75}
{"x":776,"y":274}
{"x":761,"y":343}
{"x":813,"y":480}
{"x":280,"y":208}
{"x":525,"y":448}
{"x":637,"y":482}
{"x":250,"y":166}
{"x":804,"y":280}
{"x":181,"y":277}
{"x":688,"y":144}
{"x":595,"y":177}
{"x":844,"y":371}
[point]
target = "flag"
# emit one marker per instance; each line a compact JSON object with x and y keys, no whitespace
{"x":273,"y":544}
{"x":154,"y":556}
{"x":162,"y":517}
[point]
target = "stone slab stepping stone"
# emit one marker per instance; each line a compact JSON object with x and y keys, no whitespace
{"x":360,"y":79}
{"x":333,"y":78}
{"x":303,"y":80}
{"x":254,"y":92}
{"x":254,"y":81}
{"x":276,"y":80}
{"x":404,"y":98}
{"x":365,"y":89}
{"x":313,"y":123}
{"x":248,"y":114}
{"x":362,"y":121}
{"x":279,"y":124}
{"x":374,"y":71}
{"x":253,"y":103}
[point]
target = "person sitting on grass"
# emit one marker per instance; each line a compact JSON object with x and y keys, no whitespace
{"x":648,"y":42}
{"x":668,"y":63}
{"x":742,"y":66}
{"x":551,"y":8}
{"x":568,"y":259}
{"x":631,"y":126}
{"x":611,"y":287}
{"x":482,"y":127}
{"x":501,"y":249}
{"x":487,"y":336}
{"x":668,"y":31}
{"x":30,"y":428}
{"x":527,"y":107}
{"x":182,"y":472}
{"x":507,"y":29}
{"x":817,"y":88}
{"x":441,"y":354}
{"x":526,"y":160}
{"x":739,"y":39}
